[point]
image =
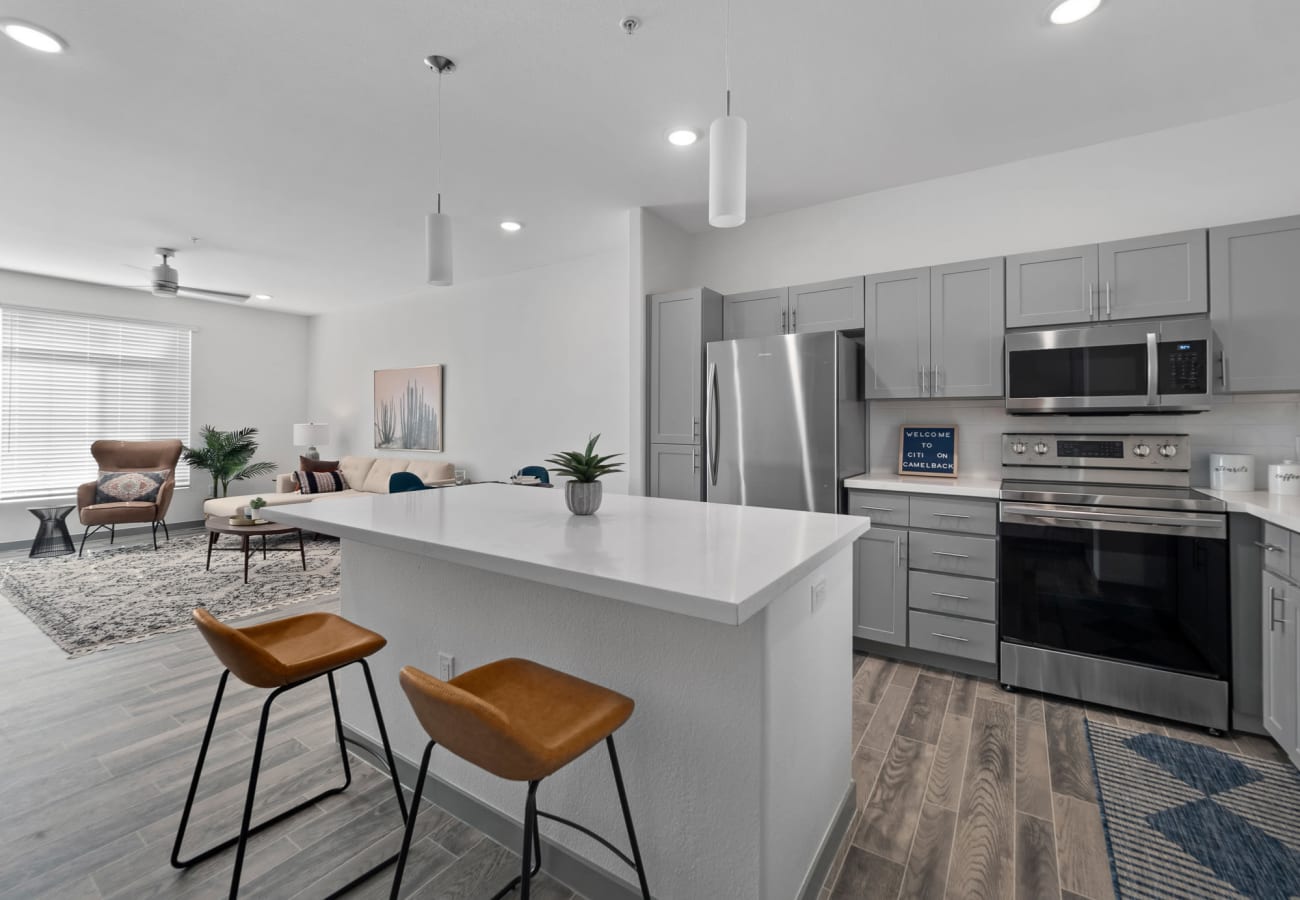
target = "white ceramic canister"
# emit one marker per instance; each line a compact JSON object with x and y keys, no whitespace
{"x":1284,"y":478}
{"x":1232,"y":472}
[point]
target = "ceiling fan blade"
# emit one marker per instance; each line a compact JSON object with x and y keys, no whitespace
{"x":205,"y":294}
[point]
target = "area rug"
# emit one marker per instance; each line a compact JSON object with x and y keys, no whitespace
{"x":124,"y":594}
{"x":1187,"y":820}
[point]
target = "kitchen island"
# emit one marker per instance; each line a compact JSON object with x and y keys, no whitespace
{"x":729,"y":626}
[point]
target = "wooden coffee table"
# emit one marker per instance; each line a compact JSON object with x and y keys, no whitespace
{"x":218,"y":527}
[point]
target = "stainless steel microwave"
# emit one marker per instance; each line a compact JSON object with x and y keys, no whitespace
{"x":1152,"y":367}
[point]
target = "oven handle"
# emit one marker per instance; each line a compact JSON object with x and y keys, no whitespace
{"x":1054,"y":515}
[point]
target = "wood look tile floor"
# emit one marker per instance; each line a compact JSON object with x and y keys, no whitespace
{"x":95,"y":759}
{"x":967,"y":791}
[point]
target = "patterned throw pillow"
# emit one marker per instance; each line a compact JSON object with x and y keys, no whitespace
{"x":320,"y":482}
{"x":126,"y":487}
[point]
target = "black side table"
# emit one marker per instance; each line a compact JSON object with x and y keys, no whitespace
{"x":52,"y":538}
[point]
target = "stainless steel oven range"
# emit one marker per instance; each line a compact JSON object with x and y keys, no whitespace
{"x":1113,"y":575}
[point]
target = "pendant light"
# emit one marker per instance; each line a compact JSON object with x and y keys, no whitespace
{"x":728,"y":140}
{"x":437,"y":224}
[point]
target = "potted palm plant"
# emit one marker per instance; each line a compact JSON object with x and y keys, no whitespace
{"x":227,"y":456}
{"x":584,"y":467}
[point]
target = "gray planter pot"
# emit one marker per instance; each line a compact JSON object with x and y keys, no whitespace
{"x":583,"y":497}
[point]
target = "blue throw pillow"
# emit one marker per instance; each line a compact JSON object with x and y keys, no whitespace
{"x":127,"y":487}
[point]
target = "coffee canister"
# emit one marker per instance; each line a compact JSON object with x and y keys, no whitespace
{"x":1232,"y":472}
{"x":1284,"y":478}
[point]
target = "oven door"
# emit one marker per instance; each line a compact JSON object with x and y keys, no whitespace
{"x":1103,"y":367}
{"x":1146,"y":588}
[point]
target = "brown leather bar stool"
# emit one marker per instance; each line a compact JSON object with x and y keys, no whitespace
{"x":523,"y":722}
{"x":284,"y":654}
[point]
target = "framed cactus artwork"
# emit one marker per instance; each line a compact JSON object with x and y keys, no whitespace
{"x":408,"y":408}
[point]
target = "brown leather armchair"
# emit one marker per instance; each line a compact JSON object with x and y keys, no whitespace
{"x":129,"y":456}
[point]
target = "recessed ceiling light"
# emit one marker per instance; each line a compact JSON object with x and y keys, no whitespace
{"x":682,"y":137}
{"x":261,"y":296}
{"x":1068,"y":11}
{"x":511,"y":226}
{"x":33,"y":36}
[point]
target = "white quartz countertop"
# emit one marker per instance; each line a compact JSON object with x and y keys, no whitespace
{"x":1280,"y":510}
{"x":709,"y":560}
{"x":963,"y":486}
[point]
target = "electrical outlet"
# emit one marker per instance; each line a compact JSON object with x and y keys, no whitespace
{"x":446,"y":666}
{"x":818,"y":593}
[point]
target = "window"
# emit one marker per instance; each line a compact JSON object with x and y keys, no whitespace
{"x":68,"y":380}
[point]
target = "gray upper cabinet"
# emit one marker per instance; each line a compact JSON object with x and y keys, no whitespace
{"x":681,"y":322}
{"x":1052,"y":287}
{"x":1255,"y":282}
{"x":966,"y":325}
{"x":755,"y":314}
{"x":880,"y":609}
{"x":675,"y":471}
{"x":826,"y":306}
{"x":1164,"y":275}
{"x":897,"y":334}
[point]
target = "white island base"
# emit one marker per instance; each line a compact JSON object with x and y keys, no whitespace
{"x":737,"y":759}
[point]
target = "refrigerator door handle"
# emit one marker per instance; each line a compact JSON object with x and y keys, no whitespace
{"x":711,"y":417}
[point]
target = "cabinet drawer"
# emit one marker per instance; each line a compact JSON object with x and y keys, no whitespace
{"x":1277,"y":550}
{"x":948,"y":514}
{"x":968,"y":597}
{"x":954,"y":554}
{"x":883,"y":507}
{"x":953,"y":637}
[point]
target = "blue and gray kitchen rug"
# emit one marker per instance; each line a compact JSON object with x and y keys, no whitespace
{"x":1186,"y":820}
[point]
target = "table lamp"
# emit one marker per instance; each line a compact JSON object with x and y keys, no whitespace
{"x":309,"y":435}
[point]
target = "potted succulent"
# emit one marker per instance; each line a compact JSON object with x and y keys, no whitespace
{"x":584,"y":467}
{"x":255,"y":507}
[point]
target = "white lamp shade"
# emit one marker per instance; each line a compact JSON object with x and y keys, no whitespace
{"x":437,"y":235}
{"x":728,"y":140}
{"x":311,"y":434}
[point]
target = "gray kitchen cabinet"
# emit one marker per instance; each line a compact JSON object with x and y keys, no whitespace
{"x":1280,"y":669}
{"x":1161,"y":275}
{"x":967,"y":312}
{"x":826,"y":306}
{"x":681,"y":322}
{"x":1052,"y":287}
{"x":755,"y":314}
{"x":675,"y":471}
{"x":880,"y":579}
{"x":897,"y":334}
{"x":1255,"y":286}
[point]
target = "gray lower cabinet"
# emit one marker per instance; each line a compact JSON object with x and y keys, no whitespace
{"x":755,"y":314}
{"x":1281,"y":649}
{"x":880,"y":578}
{"x":1052,"y":287}
{"x":966,"y":323}
{"x":1161,"y":275}
{"x":675,"y":471}
{"x":1255,"y":282}
{"x":826,"y":306}
{"x":681,"y":322}
{"x":897,"y":335}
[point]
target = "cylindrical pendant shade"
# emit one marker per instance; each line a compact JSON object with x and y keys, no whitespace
{"x":728,"y":139}
{"x":437,"y":236}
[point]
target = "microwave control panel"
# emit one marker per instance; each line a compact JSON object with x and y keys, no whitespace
{"x":1183,"y":367}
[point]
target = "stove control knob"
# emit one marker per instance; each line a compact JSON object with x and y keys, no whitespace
{"x":1168,"y":451}
{"x":1018,"y":447}
{"x":1041,"y":449}
{"x":1142,"y":450}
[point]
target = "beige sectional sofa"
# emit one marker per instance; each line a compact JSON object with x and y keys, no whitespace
{"x":363,"y":474}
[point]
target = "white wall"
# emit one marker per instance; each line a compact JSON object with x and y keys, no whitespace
{"x":534,"y":361}
{"x":248,"y":368}
{"x":1226,"y":170}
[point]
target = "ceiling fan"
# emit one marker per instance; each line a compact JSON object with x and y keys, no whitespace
{"x":165,"y":284}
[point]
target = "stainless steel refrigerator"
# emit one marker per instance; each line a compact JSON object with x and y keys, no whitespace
{"x":784,"y":420}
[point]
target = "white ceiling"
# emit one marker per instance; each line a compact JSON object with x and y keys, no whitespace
{"x":295,"y":136}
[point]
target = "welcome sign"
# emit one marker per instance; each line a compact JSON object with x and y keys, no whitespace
{"x":928,"y":450}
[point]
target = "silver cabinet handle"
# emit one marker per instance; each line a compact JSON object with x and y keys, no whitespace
{"x":1092,"y":294}
{"x":935,"y":380}
{"x":925,"y":381}
{"x":1272,"y":610}
{"x":949,"y":596}
{"x":1267,"y":548}
{"x":949,"y":516}
{"x":711,"y":414}
{"x":876,"y":508}
{"x":954,"y":555}
{"x":898,"y":552}
{"x":1223,"y":369}
{"x":695,"y":427}
{"x":950,"y":637}
{"x":1108,"y":299}
{"x":783,"y":315}
{"x":695,"y":459}
{"x":794,"y":320}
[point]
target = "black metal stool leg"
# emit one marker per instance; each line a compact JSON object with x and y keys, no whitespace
{"x":383,"y":737}
{"x":627,"y":818}
{"x":246,"y":826}
{"x":338,"y":734}
{"x":410,"y":822}
{"x":532,"y":848}
{"x":198,"y":770}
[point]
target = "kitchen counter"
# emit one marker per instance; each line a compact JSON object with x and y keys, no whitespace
{"x":731,"y":627}
{"x":1274,"y":508}
{"x":963,"y":486}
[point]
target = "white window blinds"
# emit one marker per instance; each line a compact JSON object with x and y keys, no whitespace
{"x":68,"y":380}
